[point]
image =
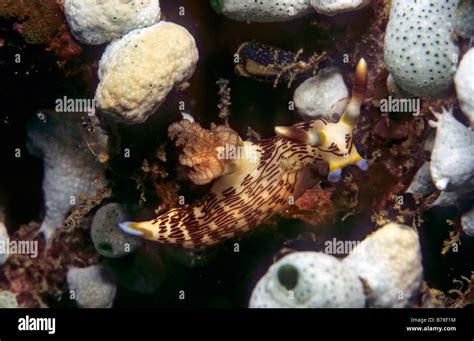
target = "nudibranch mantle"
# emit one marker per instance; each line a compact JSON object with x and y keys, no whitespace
{"x":268,"y":175}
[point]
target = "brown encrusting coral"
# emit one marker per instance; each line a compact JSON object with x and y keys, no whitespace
{"x":64,"y":46}
{"x":39,"y":282}
{"x":36,"y":21}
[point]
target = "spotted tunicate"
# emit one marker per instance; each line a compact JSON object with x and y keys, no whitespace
{"x":419,"y":49}
{"x":108,"y":239}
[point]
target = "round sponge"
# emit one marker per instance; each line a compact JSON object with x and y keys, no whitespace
{"x":138,"y":71}
{"x":262,"y":11}
{"x":99,"y":21}
{"x":419,"y":49}
{"x":389,"y":261}
{"x":333,"y":7}
{"x":91,"y":287}
{"x":108,"y":239}
{"x":308,"y":280}
{"x":319,"y":95}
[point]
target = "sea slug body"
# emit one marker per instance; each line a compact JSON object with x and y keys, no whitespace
{"x":261,"y":181}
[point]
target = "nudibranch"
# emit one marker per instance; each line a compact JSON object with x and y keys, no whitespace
{"x":255,"y":179}
{"x":271,"y":64}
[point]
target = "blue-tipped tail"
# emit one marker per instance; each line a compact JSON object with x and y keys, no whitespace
{"x":363,"y":164}
{"x":126,"y":227}
{"x":335,"y":175}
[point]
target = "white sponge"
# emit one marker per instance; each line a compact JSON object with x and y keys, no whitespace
{"x":308,"y":280}
{"x":138,"y":71}
{"x":419,"y":48}
{"x":100,"y":21}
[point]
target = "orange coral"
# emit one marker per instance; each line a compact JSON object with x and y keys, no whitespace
{"x":202,"y":148}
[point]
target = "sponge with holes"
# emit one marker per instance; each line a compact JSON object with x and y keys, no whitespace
{"x":262,"y":10}
{"x":419,"y":51}
{"x":108,"y":239}
{"x":96,"y":21}
{"x":308,"y":280}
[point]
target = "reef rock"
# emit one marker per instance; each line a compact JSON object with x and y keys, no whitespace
{"x":91,"y":287}
{"x":138,"y":71}
{"x":108,"y":239}
{"x":389,"y":261}
{"x":452,"y":159}
{"x":308,"y":280}
{"x":97,"y":22}
{"x":419,"y":49}
{"x":262,"y":11}
{"x":70,"y":152}
{"x":464,"y":81}
{"x":333,"y":7}
{"x":320,"y":95}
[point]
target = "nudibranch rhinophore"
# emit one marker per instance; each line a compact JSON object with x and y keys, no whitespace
{"x":257,"y":180}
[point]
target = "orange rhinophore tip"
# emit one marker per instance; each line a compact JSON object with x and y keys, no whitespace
{"x":359,"y":89}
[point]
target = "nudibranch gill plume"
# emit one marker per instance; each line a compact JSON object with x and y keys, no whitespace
{"x":257,"y":182}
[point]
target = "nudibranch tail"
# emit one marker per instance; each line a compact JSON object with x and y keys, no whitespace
{"x":254,"y":180}
{"x":131,"y":228}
